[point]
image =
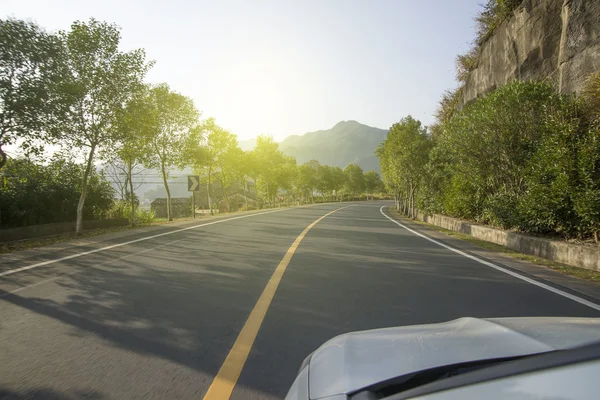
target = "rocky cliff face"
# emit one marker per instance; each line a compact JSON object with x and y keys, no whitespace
{"x":555,"y":39}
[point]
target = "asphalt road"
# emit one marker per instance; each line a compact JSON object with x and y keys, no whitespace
{"x":157,"y":318}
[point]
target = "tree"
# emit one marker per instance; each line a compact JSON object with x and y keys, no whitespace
{"x":338,"y":179}
{"x":267,"y":159}
{"x":355,"y":180}
{"x":373,"y":182}
{"x":222,"y":155}
{"x":286,"y":179}
{"x":136,"y":124}
{"x":175,"y":136}
{"x":404,"y":155}
{"x":308,"y":179}
{"x":104,"y":79}
{"x":33,"y":92}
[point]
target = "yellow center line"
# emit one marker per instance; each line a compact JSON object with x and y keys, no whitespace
{"x":223,"y":384}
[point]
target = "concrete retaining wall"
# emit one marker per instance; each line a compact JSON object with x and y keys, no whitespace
{"x":34,"y":231}
{"x":571,"y":254}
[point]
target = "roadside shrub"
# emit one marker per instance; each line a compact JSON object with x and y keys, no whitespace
{"x":122,"y":209}
{"x":504,"y":159}
{"x":38,"y":193}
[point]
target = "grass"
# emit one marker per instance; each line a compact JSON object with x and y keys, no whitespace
{"x":27,"y":244}
{"x":581,"y":273}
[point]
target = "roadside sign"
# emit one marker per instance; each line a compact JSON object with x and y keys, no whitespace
{"x":193,"y":183}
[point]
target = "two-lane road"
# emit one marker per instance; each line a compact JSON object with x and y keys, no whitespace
{"x":158,"y":316}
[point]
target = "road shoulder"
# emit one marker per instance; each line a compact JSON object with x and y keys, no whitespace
{"x":96,"y":241}
{"x":588,"y":289}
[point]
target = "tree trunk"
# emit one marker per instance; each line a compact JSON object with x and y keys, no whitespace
{"x":258,"y":203}
{"x":596,"y":236}
{"x":164,"y":176}
{"x":3,"y":158}
{"x":84,"y":183}
{"x":412,"y":201}
{"x":245,"y":194}
{"x":131,"y":195}
{"x":208,"y":190}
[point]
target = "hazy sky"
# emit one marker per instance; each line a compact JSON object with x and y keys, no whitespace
{"x":286,"y":67}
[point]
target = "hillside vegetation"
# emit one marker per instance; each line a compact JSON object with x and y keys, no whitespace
{"x":348,"y":142}
{"x":523,"y":157}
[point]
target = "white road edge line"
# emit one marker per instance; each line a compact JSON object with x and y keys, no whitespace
{"x":67,"y":274}
{"x":496,"y":267}
{"x":85,"y":253}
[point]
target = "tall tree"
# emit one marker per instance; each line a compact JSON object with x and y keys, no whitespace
{"x":104,"y":78}
{"x":338,"y":180}
{"x":308,"y":178}
{"x":136,"y":123}
{"x":177,"y":130}
{"x":355,"y":179}
{"x":33,"y":89}
{"x":373,"y":182}
{"x":404,"y":155}
{"x":267,"y":159}
{"x":221,"y":157}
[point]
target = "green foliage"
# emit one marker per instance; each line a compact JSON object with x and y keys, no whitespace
{"x":174,"y":134}
{"x":494,"y":13}
{"x":404,"y":155}
{"x":355,"y":179}
{"x":104,"y":79}
{"x":448,"y":105}
{"x":33,"y":94}
{"x":122,"y":209}
{"x":373,"y":182}
{"x":41,"y":194}
{"x":591,"y":96}
{"x":465,"y":63}
{"x":489,"y":148}
{"x":522,"y":157}
{"x":79,"y":90}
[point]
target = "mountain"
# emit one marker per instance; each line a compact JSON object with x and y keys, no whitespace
{"x":347,"y":142}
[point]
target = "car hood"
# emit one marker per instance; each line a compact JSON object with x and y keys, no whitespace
{"x":353,"y":361}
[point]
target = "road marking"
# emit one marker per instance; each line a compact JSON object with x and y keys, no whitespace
{"x":85,"y":253}
{"x":86,"y":268}
{"x":225,"y":380}
{"x":496,"y":267}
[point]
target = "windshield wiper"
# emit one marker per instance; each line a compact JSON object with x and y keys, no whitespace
{"x":403,"y":383}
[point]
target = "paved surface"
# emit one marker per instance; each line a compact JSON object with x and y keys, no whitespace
{"x":157,"y":318}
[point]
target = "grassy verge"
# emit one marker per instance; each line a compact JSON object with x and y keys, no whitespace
{"x":582,"y":273}
{"x":70,"y":236}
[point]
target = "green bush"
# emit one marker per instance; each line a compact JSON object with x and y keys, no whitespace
{"x":522,"y":157}
{"x":122,"y":209}
{"x":35,"y":193}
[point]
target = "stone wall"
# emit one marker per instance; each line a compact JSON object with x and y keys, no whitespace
{"x":554,"y":39}
{"x":587,"y":257}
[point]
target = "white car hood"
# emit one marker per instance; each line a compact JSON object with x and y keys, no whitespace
{"x":353,"y":361}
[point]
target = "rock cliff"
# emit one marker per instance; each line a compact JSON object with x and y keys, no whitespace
{"x":554,"y":39}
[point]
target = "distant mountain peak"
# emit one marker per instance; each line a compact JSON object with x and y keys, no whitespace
{"x":347,"y":123}
{"x":346,"y":142}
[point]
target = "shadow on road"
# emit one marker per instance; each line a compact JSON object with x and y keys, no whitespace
{"x":49,"y":394}
{"x":184,"y":303}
